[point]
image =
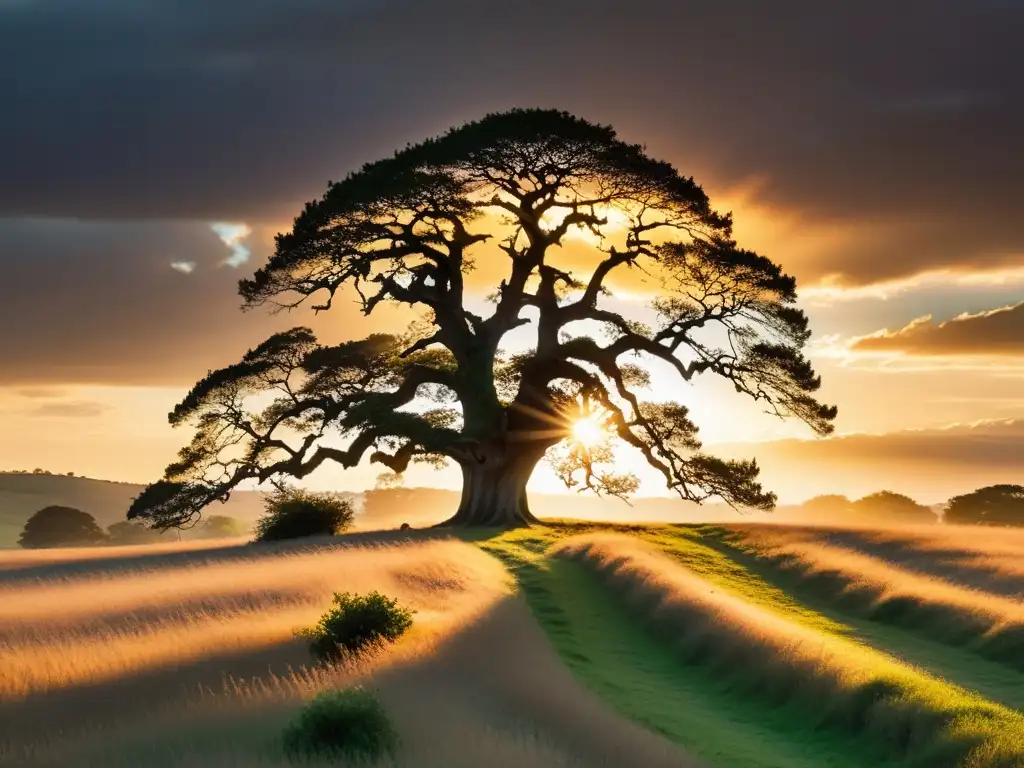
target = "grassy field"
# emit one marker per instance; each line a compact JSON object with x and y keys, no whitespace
{"x":571,"y":644}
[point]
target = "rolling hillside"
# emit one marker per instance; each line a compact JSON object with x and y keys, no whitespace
{"x":21,"y":495}
{"x":571,"y":644}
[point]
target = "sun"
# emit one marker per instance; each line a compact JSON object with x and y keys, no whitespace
{"x":589,"y":431}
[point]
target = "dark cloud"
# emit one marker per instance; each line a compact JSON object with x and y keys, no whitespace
{"x":99,"y":302}
{"x":930,"y":464}
{"x":998,"y":332}
{"x":896,"y":123}
{"x":236,"y":110}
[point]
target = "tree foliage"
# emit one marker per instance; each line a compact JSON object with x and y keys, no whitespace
{"x":830,"y":506}
{"x":221,"y":527}
{"x":502,"y":194}
{"x":887,"y":506}
{"x":992,"y":505}
{"x":57,"y":526}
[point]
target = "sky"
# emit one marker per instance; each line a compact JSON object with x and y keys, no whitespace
{"x":149,"y":152}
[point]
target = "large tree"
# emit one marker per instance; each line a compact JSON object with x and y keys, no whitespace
{"x":502,"y":195}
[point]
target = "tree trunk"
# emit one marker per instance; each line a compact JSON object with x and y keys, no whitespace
{"x":494,"y":492}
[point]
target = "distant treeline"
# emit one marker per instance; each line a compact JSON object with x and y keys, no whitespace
{"x":991,"y":505}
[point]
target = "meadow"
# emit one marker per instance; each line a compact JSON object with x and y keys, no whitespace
{"x":568,"y":644}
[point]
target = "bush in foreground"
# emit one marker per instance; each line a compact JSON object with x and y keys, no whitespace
{"x":292,"y":513}
{"x":355,"y":623}
{"x":350,"y":723}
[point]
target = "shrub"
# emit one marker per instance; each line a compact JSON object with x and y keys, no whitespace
{"x":355,"y":623}
{"x":350,"y":723}
{"x":291,"y":513}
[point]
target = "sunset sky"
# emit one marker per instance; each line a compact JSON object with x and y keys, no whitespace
{"x":150,"y":151}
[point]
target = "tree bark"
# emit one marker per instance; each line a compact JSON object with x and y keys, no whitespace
{"x":494,"y":492}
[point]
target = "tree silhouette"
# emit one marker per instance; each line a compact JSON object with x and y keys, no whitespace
{"x":831,"y":506}
{"x":504,"y":192}
{"x":57,"y":526}
{"x":221,"y":527}
{"x":992,"y":505}
{"x":893,"y":507}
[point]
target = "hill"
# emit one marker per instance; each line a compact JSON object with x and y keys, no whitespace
{"x":21,"y":495}
{"x":572,"y":644}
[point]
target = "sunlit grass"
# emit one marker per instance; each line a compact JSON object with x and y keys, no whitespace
{"x":833,"y":681}
{"x":990,"y":625}
{"x":186,"y":657}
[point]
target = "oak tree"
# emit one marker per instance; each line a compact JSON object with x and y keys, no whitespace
{"x":502,"y":194}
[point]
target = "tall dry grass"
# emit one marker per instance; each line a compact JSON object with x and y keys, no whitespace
{"x":991,"y":559}
{"x":989,"y":624}
{"x":77,"y":651}
{"x":834,"y":682}
{"x":183,"y":659}
{"x":17,"y":559}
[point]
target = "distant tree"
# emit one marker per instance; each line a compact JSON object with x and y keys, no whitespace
{"x":507,"y":193}
{"x":888,"y":506}
{"x":132,"y":532}
{"x":992,"y":505}
{"x":220,"y":527}
{"x":57,"y":526}
{"x":828,"y":506}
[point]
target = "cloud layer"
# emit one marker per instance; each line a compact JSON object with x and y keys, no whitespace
{"x":930,"y":464}
{"x":996,"y":332}
{"x":859,"y":143}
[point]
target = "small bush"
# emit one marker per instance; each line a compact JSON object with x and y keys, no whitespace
{"x":350,"y":723}
{"x":356,"y":623}
{"x":291,"y":513}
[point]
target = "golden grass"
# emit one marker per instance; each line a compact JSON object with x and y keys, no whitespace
{"x":51,"y":637}
{"x":491,"y":692}
{"x":184,"y":659}
{"x":13,"y":559}
{"x":904,"y":713}
{"x":884,"y":580}
{"x":986,"y":558}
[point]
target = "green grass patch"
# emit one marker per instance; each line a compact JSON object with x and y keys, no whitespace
{"x":949,"y":624}
{"x":827,"y":681}
{"x":785,"y":592}
{"x":644,"y":679}
{"x":728,"y":708}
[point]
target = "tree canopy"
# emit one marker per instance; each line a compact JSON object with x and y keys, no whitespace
{"x":992,"y":505}
{"x":830,"y":506}
{"x":57,"y":526}
{"x":888,"y":506}
{"x":502,"y":195}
